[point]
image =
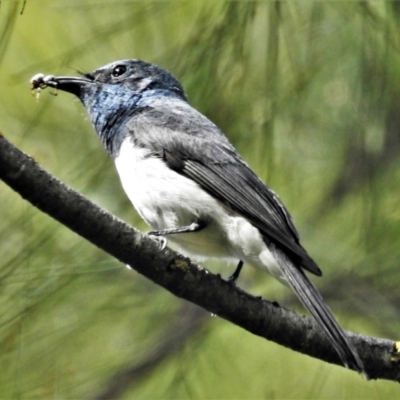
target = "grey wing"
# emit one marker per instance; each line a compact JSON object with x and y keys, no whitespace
{"x":193,"y":146}
{"x":237,"y":186}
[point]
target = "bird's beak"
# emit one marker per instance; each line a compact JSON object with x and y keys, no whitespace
{"x":71,"y":84}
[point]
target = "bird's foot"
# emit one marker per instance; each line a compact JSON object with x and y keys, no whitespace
{"x":235,"y":276}
{"x":233,"y":279}
{"x":161,"y":241}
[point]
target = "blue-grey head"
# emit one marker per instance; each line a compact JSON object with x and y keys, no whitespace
{"x":135,"y":76}
{"x":113,"y":93}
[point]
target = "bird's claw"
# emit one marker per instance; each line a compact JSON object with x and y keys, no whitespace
{"x":232,"y":280}
{"x":161,"y":241}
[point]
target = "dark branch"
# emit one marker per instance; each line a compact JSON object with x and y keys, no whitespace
{"x":178,"y":274}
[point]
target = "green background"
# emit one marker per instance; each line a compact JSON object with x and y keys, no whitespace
{"x":307,"y":91}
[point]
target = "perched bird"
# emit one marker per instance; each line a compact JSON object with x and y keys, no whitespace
{"x":189,"y":183}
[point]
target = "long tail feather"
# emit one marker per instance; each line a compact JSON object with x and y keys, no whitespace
{"x":315,"y":304}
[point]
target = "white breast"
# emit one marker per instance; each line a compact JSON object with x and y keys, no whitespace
{"x":166,"y":199}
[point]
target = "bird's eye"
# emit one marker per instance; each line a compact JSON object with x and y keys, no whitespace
{"x":118,"y":71}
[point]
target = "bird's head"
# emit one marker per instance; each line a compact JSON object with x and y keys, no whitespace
{"x":130,"y":77}
{"x":113,"y":93}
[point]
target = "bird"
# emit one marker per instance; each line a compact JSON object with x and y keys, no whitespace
{"x":188,"y":182}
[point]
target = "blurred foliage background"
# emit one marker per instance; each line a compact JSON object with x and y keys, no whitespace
{"x":307,"y":91}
